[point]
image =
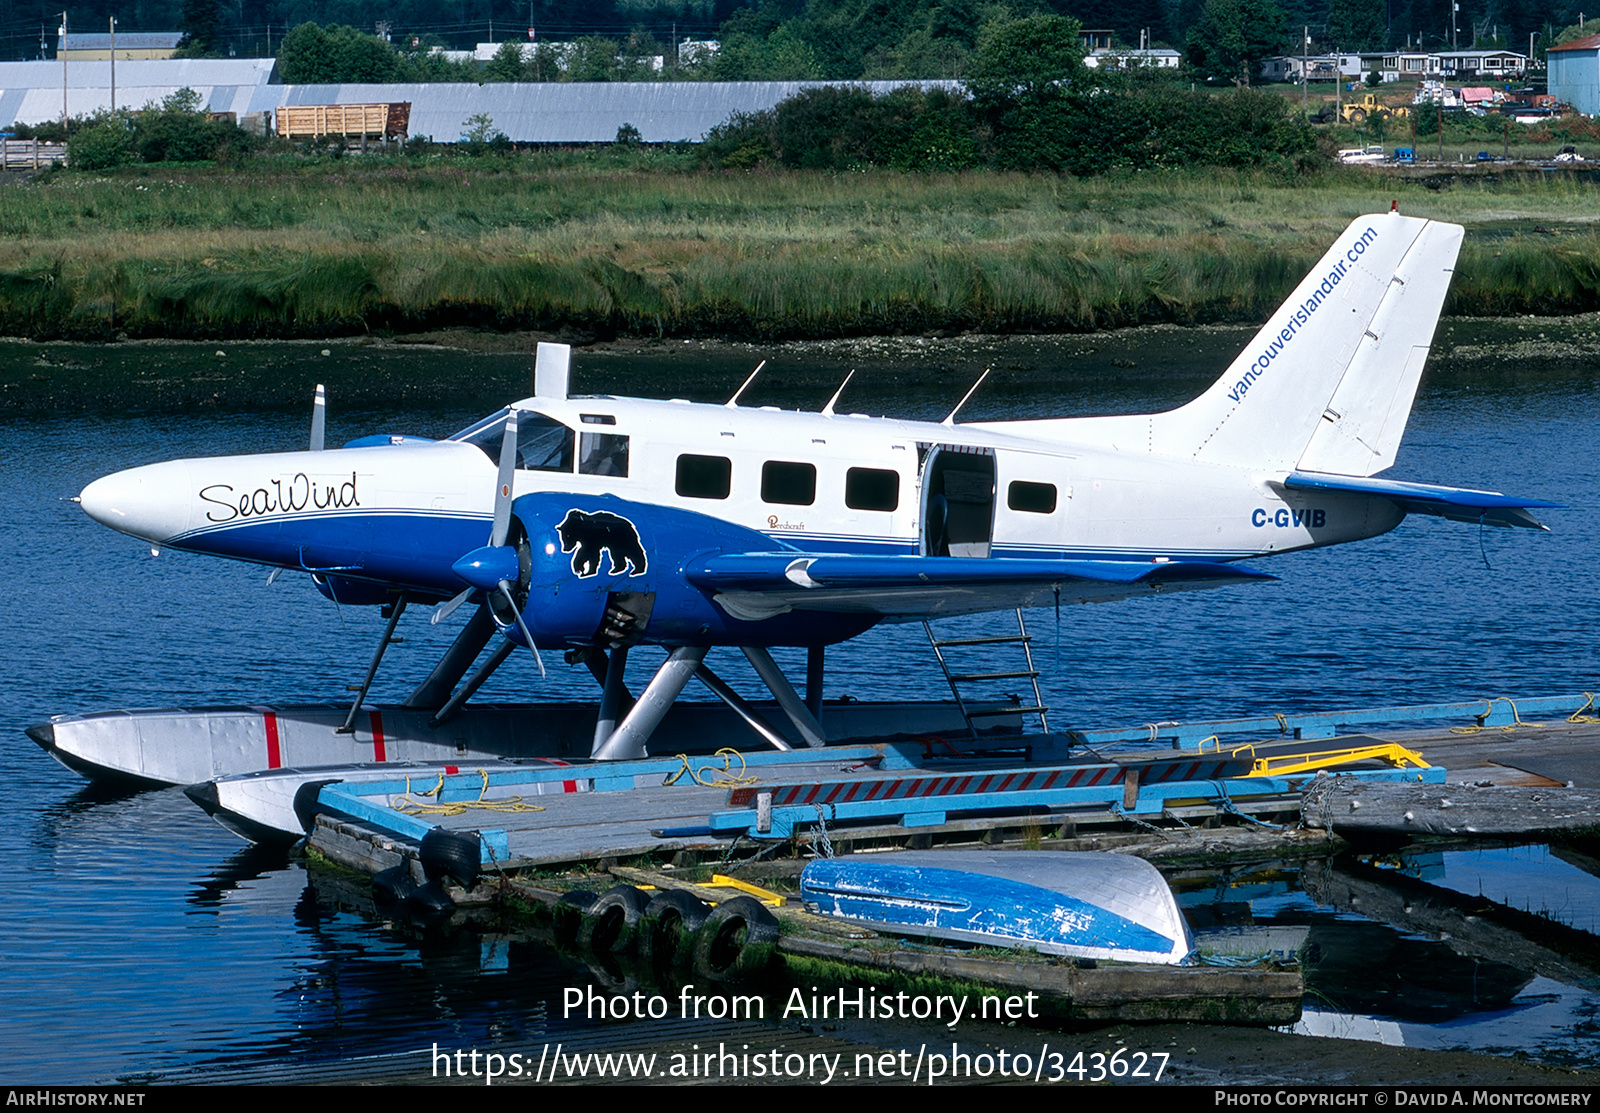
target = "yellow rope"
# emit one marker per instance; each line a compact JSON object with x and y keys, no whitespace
{"x":1578,"y":716}
{"x":723,"y":776}
{"x":407,"y":806}
{"x":1516,"y":718}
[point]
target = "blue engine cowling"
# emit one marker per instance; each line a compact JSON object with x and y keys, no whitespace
{"x":352,"y":593}
{"x":587,"y":551}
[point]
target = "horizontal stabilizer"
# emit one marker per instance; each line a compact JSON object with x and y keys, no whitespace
{"x":1459,"y":504}
{"x":758,"y":585}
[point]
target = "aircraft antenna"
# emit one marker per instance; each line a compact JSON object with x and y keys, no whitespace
{"x":319,"y":418}
{"x":733,"y":403}
{"x":951,"y":420}
{"x":827,"y":411}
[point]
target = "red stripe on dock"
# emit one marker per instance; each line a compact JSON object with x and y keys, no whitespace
{"x":274,"y":756}
{"x":378,"y":751}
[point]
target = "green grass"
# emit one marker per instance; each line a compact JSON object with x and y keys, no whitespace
{"x":645,"y":245}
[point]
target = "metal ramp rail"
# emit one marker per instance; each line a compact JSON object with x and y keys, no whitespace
{"x":956,"y":679}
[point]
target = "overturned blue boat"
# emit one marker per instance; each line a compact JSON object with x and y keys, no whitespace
{"x":1081,"y":904}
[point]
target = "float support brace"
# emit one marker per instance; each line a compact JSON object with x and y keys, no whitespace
{"x":788,"y":699}
{"x":628,"y":740}
{"x":396,"y":609}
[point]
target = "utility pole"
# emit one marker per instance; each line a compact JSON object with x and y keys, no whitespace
{"x":63,"y":71}
{"x":113,"y":64}
{"x":1305,"y":66}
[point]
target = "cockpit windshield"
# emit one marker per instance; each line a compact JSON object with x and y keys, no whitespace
{"x":543,"y":443}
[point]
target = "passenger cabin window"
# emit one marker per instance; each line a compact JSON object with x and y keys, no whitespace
{"x":1033,"y":498}
{"x":704,"y":477}
{"x":790,"y":484}
{"x":872,"y":489}
{"x":602,"y":454}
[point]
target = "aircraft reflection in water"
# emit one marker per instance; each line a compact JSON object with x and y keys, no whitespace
{"x":614,"y":522}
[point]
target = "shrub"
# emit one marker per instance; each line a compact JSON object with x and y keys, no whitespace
{"x":103,"y":145}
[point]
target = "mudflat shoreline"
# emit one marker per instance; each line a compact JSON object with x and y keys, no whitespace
{"x":476,"y":368}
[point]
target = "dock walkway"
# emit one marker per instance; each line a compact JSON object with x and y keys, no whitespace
{"x":907,"y":794}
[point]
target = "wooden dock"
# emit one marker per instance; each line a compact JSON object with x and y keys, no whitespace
{"x":1544,"y":773}
{"x":1534,"y":777}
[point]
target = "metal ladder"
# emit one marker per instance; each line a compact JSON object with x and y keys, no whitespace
{"x":956,"y":679}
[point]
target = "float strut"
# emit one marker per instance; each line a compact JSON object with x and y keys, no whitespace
{"x":434,"y":691}
{"x":397,"y":609}
{"x":816,"y":656}
{"x":474,"y":682}
{"x":615,"y":700}
{"x":788,"y":699}
{"x":628,"y":740}
{"x":742,"y":708}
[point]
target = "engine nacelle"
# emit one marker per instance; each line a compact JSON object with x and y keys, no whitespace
{"x":603,"y":570}
{"x":350,"y":592}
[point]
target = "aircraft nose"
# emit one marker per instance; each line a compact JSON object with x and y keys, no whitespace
{"x":136,"y":502}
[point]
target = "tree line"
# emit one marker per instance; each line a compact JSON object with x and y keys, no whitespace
{"x":796,"y":39}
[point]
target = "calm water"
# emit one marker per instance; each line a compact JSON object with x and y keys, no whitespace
{"x":141,"y":939}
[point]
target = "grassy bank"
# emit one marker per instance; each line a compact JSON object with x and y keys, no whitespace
{"x":594,"y":247}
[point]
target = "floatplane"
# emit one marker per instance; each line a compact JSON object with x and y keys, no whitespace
{"x":592,"y":525}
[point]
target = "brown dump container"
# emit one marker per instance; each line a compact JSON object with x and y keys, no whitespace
{"x":357,"y":121}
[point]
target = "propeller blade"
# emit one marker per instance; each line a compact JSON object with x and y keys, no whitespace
{"x":505,"y":589}
{"x":502,"y":491}
{"x":272,"y":577}
{"x":319,"y":419}
{"x":448,"y":607}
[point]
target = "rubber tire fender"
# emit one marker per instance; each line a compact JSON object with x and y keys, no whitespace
{"x":393,"y":885}
{"x":566,"y":914}
{"x":612,"y":921}
{"x":430,"y":902}
{"x":453,"y":854}
{"x":672,"y":917}
{"x":736,"y":941}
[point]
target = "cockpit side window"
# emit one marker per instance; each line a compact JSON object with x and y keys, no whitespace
{"x":543,"y":443}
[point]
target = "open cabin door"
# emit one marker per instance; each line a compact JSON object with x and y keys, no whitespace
{"x":957,"y":500}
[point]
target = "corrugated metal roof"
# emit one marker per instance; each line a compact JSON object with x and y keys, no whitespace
{"x":1588,"y":42}
{"x":128,"y":40}
{"x":553,"y":112}
{"x":568,"y":112}
{"x":30,"y":92}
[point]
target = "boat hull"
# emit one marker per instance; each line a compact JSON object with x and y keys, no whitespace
{"x":182,"y":746}
{"x":280,"y":805}
{"x":1085,"y":905}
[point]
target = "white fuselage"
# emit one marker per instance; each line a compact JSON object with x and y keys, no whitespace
{"x":819,"y":482}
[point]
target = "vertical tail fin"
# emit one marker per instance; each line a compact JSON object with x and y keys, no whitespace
{"x":1327,"y":384}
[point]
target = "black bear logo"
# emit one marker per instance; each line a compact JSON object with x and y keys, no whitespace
{"x":592,"y":534}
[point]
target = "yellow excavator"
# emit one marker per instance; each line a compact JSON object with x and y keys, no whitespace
{"x":1357,"y":112}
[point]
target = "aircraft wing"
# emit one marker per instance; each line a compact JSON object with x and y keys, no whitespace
{"x":1459,"y":504}
{"x":754,"y":586}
